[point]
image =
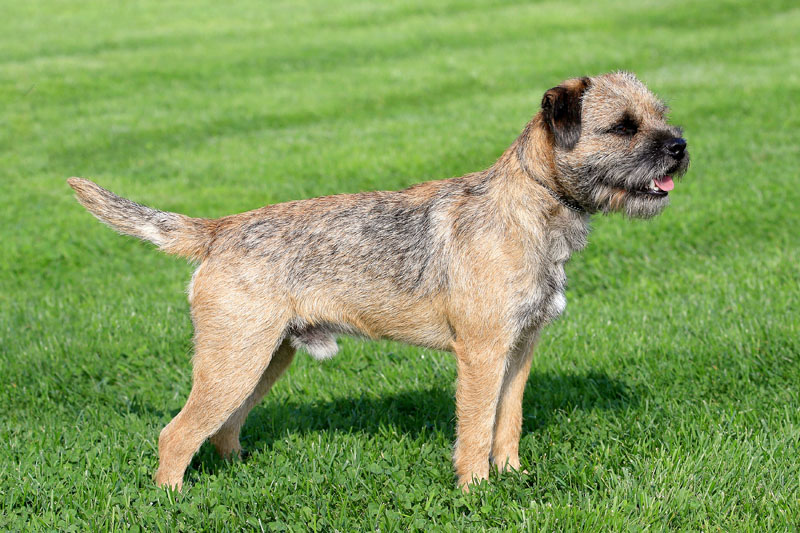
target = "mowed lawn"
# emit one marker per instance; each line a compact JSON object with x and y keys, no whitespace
{"x":666,"y":396}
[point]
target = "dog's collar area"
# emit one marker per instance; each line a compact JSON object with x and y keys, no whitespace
{"x":569,"y":203}
{"x":563,"y":200}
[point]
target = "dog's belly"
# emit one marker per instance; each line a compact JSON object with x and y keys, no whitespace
{"x":405,"y":319}
{"x":320,"y":340}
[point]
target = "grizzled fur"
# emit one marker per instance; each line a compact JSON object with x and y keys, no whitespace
{"x":473,"y":265}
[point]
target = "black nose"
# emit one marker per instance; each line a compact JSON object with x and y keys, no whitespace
{"x":675,"y":147}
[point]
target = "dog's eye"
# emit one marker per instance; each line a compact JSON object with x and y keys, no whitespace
{"x":626,"y":127}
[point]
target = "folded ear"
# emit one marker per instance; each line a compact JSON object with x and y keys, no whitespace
{"x":561,"y":111}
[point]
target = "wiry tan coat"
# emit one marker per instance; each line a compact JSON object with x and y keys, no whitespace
{"x":473,"y":265}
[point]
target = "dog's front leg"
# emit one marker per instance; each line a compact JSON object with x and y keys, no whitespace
{"x":508,"y":422}
{"x":481,"y":369}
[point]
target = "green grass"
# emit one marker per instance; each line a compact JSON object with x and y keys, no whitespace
{"x":665,"y":397}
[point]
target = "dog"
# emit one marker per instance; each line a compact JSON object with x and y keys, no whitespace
{"x":473,"y":265}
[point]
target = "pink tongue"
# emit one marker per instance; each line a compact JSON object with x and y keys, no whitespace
{"x":665,"y":183}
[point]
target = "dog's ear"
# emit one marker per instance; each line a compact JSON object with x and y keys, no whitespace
{"x":561,"y":111}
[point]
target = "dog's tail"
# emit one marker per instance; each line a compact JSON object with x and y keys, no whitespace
{"x":171,"y":232}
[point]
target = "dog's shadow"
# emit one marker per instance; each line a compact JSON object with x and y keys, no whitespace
{"x":412,"y":412}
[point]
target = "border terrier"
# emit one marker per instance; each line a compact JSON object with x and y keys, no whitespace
{"x":473,"y":265}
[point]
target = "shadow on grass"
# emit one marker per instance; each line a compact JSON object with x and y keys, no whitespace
{"x":416,"y":411}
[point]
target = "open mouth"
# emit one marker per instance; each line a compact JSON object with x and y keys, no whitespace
{"x":658,"y":187}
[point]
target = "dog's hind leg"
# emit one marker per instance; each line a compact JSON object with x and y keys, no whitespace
{"x":233,"y":348}
{"x":226,"y":440}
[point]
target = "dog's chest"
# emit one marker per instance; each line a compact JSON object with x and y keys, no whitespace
{"x":543,"y":300}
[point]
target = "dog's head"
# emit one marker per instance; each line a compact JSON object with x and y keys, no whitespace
{"x":612,"y":147}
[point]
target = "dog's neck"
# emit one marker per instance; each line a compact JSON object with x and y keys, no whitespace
{"x":566,"y":201}
{"x":534,"y":169}
{"x":539,"y":165}
{"x":524,"y":180}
